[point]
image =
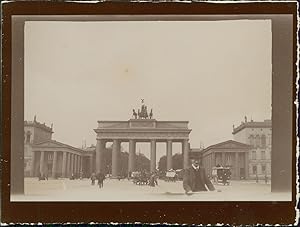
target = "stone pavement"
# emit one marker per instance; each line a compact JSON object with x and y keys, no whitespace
{"x":124,"y":190}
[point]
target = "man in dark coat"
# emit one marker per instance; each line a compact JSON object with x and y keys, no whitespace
{"x":100,"y":177}
{"x":195,"y":179}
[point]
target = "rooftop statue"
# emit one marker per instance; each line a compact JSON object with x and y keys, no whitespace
{"x":142,"y":113}
{"x":134,"y":114}
{"x":151,"y":114}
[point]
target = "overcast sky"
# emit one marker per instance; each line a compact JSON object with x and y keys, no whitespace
{"x":211,"y":74}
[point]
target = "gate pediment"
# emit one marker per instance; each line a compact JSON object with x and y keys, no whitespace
{"x":50,"y":143}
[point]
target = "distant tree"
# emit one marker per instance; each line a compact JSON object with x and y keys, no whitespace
{"x":177,"y":162}
{"x":142,"y":162}
{"x":162,"y":163}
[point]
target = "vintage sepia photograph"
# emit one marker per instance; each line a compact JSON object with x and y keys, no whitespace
{"x":148,"y":110}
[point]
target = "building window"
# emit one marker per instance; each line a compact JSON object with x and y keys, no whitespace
{"x":263,"y":141}
{"x":257,"y":141}
{"x":253,"y":154}
{"x":251,"y":140}
{"x":254,"y":169}
{"x":263,"y":168}
{"x":263,"y":155}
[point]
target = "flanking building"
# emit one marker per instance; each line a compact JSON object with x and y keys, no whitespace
{"x":229,"y":153}
{"x":45,"y":156}
{"x":258,"y":134}
{"x":34,"y":133}
{"x":248,"y":154}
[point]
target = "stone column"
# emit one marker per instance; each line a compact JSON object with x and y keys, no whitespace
{"x":169,"y":154}
{"x":153,"y":156}
{"x":223,"y":158}
{"x":68,"y":170}
{"x":99,"y":155}
{"x":237,"y":167}
{"x":64,"y":165}
{"x":91,"y":164}
{"x":54,"y":164}
{"x":115,"y":157}
{"x":42,"y":163}
{"x":131,"y":158}
{"x":32,"y":172}
{"x":213,"y":159}
{"x":185,"y":152}
{"x":79,"y":164}
{"x":71,"y":164}
{"x":75,"y":164}
{"x":246,"y":165}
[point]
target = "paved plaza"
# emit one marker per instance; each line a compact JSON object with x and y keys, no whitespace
{"x":125,"y":190}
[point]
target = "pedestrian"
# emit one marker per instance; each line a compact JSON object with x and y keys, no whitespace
{"x":40,"y":176}
{"x":256,"y":177}
{"x":152,"y":180}
{"x":266,"y":178}
{"x":100,"y":177}
{"x":93,"y":178}
{"x":195,"y":179}
{"x":155,"y":179}
{"x":214,"y":175}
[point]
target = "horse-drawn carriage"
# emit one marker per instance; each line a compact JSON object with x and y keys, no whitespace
{"x":140,"y":178}
{"x":171,"y":175}
{"x":221,"y":175}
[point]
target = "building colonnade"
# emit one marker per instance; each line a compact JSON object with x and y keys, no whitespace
{"x":116,"y":149}
{"x":56,"y":163}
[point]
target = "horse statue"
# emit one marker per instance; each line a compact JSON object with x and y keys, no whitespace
{"x":134,"y":114}
{"x":151,"y":114}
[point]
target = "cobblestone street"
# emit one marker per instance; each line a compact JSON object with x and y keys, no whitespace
{"x":124,"y":190}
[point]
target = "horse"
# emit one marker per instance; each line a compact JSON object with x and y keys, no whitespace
{"x":151,"y":114}
{"x":134,"y":114}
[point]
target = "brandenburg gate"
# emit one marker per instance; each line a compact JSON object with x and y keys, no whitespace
{"x":141,"y":128}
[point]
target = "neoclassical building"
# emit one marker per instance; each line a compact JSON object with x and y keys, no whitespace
{"x":34,"y":133}
{"x":248,"y":154}
{"x":229,"y":153}
{"x":45,"y":156}
{"x":55,"y":159}
{"x":257,"y":134}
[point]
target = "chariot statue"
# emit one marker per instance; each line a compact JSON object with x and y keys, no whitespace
{"x":142,"y":113}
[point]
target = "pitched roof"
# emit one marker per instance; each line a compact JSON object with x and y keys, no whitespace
{"x":232,"y":144}
{"x":54,"y":143}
